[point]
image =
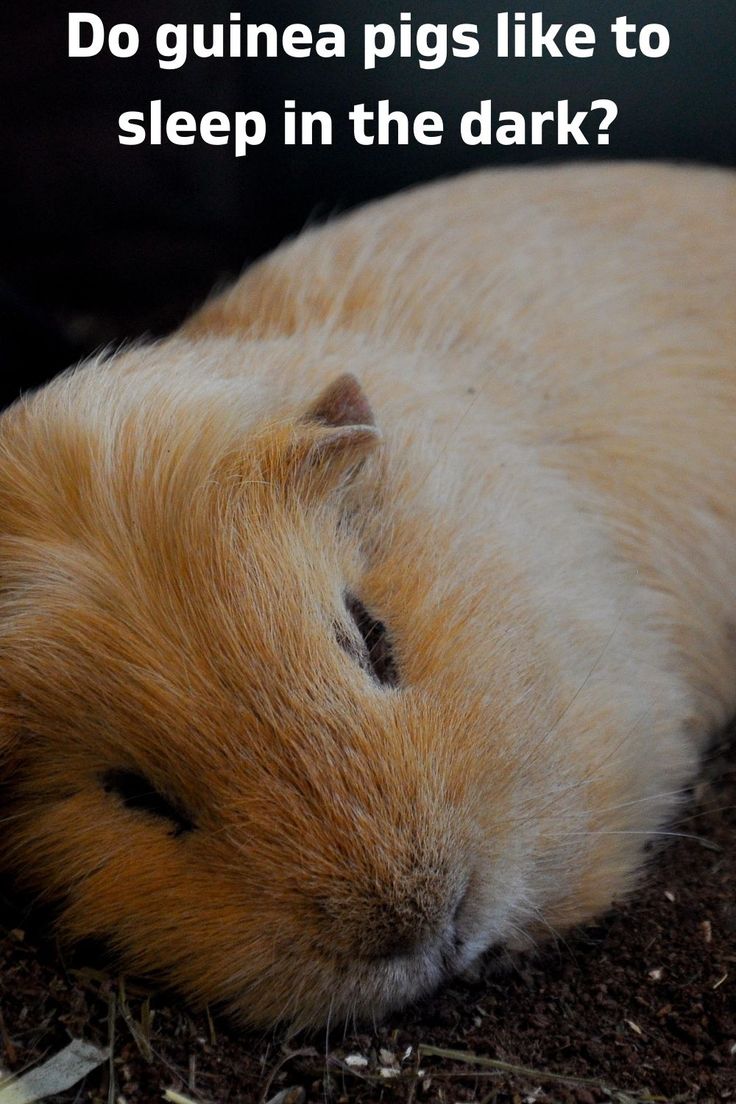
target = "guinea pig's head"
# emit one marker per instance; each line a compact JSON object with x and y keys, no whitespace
{"x":208,"y":753}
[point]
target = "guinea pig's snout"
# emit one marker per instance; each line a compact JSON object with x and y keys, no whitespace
{"x":432,"y":919}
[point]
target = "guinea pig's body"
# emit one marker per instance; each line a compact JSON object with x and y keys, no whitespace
{"x":408,"y":667}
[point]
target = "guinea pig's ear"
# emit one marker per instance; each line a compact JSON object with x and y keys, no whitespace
{"x":335,"y":436}
{"x":342,"y":403}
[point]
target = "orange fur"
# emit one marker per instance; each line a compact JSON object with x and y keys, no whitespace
{"x":544,"y":520}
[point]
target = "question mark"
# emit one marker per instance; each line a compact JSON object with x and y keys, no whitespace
{"x":611,"y":113}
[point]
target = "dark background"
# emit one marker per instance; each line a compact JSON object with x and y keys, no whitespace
{"x":102,"y":242}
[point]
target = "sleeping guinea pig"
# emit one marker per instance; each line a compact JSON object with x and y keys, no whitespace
{"x":380,"y":616}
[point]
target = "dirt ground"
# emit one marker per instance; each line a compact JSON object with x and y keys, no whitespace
{"x":640,"y":1008}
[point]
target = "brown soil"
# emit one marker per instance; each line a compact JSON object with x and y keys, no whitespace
{"x":642,"y":1007}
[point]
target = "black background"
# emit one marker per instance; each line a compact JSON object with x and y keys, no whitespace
{"x":103,"y":241}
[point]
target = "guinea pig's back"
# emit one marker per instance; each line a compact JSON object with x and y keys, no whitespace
{"x":528,"y":260}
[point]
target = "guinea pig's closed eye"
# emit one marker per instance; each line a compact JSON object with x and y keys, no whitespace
{"x":374,"y":652}
{"x":136,"y":793}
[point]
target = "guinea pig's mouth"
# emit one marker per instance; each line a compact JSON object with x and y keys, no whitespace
{"x":392,"y":983}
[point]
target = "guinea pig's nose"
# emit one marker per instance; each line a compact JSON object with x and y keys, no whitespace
{"x":403,"y":930}
{"x":396,"y":936}
{"x":399,"y":942}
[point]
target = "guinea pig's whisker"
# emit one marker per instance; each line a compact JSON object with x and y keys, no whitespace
{"x":591,"y":777}
{"x":587,"y":833}
{"x":649,"y":798}
{"x":511,"y":960}
{"x":702,"y":809}
{"x":536,"y":912}
{"x":328,"y":1023}
{"x":16,"y":816}
{"x":539,"y":745}
{"x":354,"y":1014}
{"x":591,"y":780}
{"x":681,"y":792}
{"x":291,"y":1004}
{"x":585,"y":681}
{"x":521,"y":932}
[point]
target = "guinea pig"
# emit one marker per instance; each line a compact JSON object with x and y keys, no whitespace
{"x":381,"y":615}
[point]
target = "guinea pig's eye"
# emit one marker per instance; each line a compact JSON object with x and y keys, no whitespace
{"x":136,"y":792}
{"x":377,"y":656}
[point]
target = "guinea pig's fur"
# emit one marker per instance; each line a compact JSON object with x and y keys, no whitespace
{"x":381,"y":615}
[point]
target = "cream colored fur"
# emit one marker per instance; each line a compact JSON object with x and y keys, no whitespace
{"x":548,"y":531}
